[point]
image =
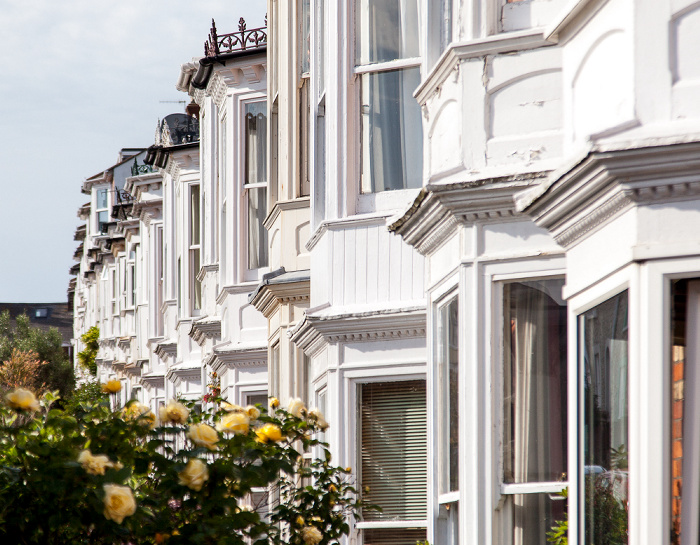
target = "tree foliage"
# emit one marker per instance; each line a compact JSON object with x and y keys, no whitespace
{"x":57,"y":372}
{"x":87,"y":356}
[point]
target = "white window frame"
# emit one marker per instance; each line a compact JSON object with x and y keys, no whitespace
{"x":357,"y":379}
{"x":108,"y":194}
{"x":192,"y":248}
{"x":222,"y":158}
{"x":370,"y":201}
{"x":508,"y":490}
{"x":246,"y":273}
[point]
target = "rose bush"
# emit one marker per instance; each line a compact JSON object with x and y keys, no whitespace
{"x":100,"y":476}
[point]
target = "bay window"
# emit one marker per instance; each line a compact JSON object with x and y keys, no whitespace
{"x":534,"y":409}
{"x":393,"y":450}
{"x":388,"y":62}
{"x":603,"y":353}
{"x":255,"y":183}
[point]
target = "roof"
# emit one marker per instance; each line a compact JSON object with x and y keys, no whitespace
{"x":45,"y":316}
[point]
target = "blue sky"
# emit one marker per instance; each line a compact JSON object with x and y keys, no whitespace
{"x":82,"y":79}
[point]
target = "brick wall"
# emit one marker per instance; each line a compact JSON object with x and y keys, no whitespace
{"x":678,"y":364}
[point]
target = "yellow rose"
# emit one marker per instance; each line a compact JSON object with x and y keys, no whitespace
{"x":269,"y":432}
{"x":203,"y":435}
{"x":253,"y":412}
{"x":296,"y":407}
{"x":234,"y":423}
{"x":174,"y":413}
{"x":274,"y":402}
{"x":317,"y":416}
{"x":112,"y":386}
{"x":231,"y":408}
{"x":311,"y":535}
{"x":119,"y":502}
{"x":96,"y":464}
{"x":141,"y":413}
{"x":22,"y":400}
{"x":300,"y":520}
{"x":194,"y":475}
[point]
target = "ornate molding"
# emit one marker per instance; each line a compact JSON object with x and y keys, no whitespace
{"x":238,"y":356}
{"x":360,"y":326}
{"x":439,"y":209}
{"x":610,"y":180}
{"x":156,"y":380}
{"x":166,"y":349}
{"x":205,"y":328}
{"x":279,"y":288}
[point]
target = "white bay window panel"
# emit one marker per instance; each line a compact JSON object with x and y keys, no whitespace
{"x":255,"y":183}
{"x":603,"y":357}
{"x":195,"y":250}
{"x":534,"y":409}
{"x":393,"y":450}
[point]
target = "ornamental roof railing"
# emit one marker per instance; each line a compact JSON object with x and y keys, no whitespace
{"x":242,"y":40}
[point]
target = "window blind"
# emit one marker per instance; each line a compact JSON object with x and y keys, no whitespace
{"x":393,"y":449}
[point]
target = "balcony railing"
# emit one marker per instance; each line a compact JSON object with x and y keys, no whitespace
{"x":236,"y":41}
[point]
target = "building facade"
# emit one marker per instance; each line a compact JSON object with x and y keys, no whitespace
{"x":468,"y":231}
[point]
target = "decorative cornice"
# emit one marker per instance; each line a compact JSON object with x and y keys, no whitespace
{"x":268,"y":299}
{"x":184,"y":370}
{"x":607,"y":182}
{"x":153,"y":380}
{"x":205,"y":328}
{"x":124,"y":343}
{"x":359,"y":326}
{"x":166,"y":349}
{"x":440,"y":208}
{"x":239,"y":355}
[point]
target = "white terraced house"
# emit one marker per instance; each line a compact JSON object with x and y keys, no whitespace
{"x":468,"y":231}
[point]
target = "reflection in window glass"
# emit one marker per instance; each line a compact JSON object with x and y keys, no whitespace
{"x":392,"y":131}
{"x":255,"y":183}
{"x":534,"y":437}
{"x":387,"y":30}
{"x":603,"y":339}
{"x":534,"y":402}
{"x":685,"y":413}
{"x":448,"y":368}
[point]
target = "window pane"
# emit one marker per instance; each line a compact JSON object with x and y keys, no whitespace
{"x":393,"y":449}
{"x":257,"y":234}
{"x":449,"y":385}
{"x":102,"y":220}
{"x":101,"y":198}
{"x":392,"y":131}
{"x":196,"y":284}
{"x":603,"y":339}
{"x":534,"y":381}
{"x":685,"y":408}
{"x":387,"y":30}
{"x":305,"y":35}
{"x":536,"y":514}
{"x":255,"y":143}
{"x":194,"y":217}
